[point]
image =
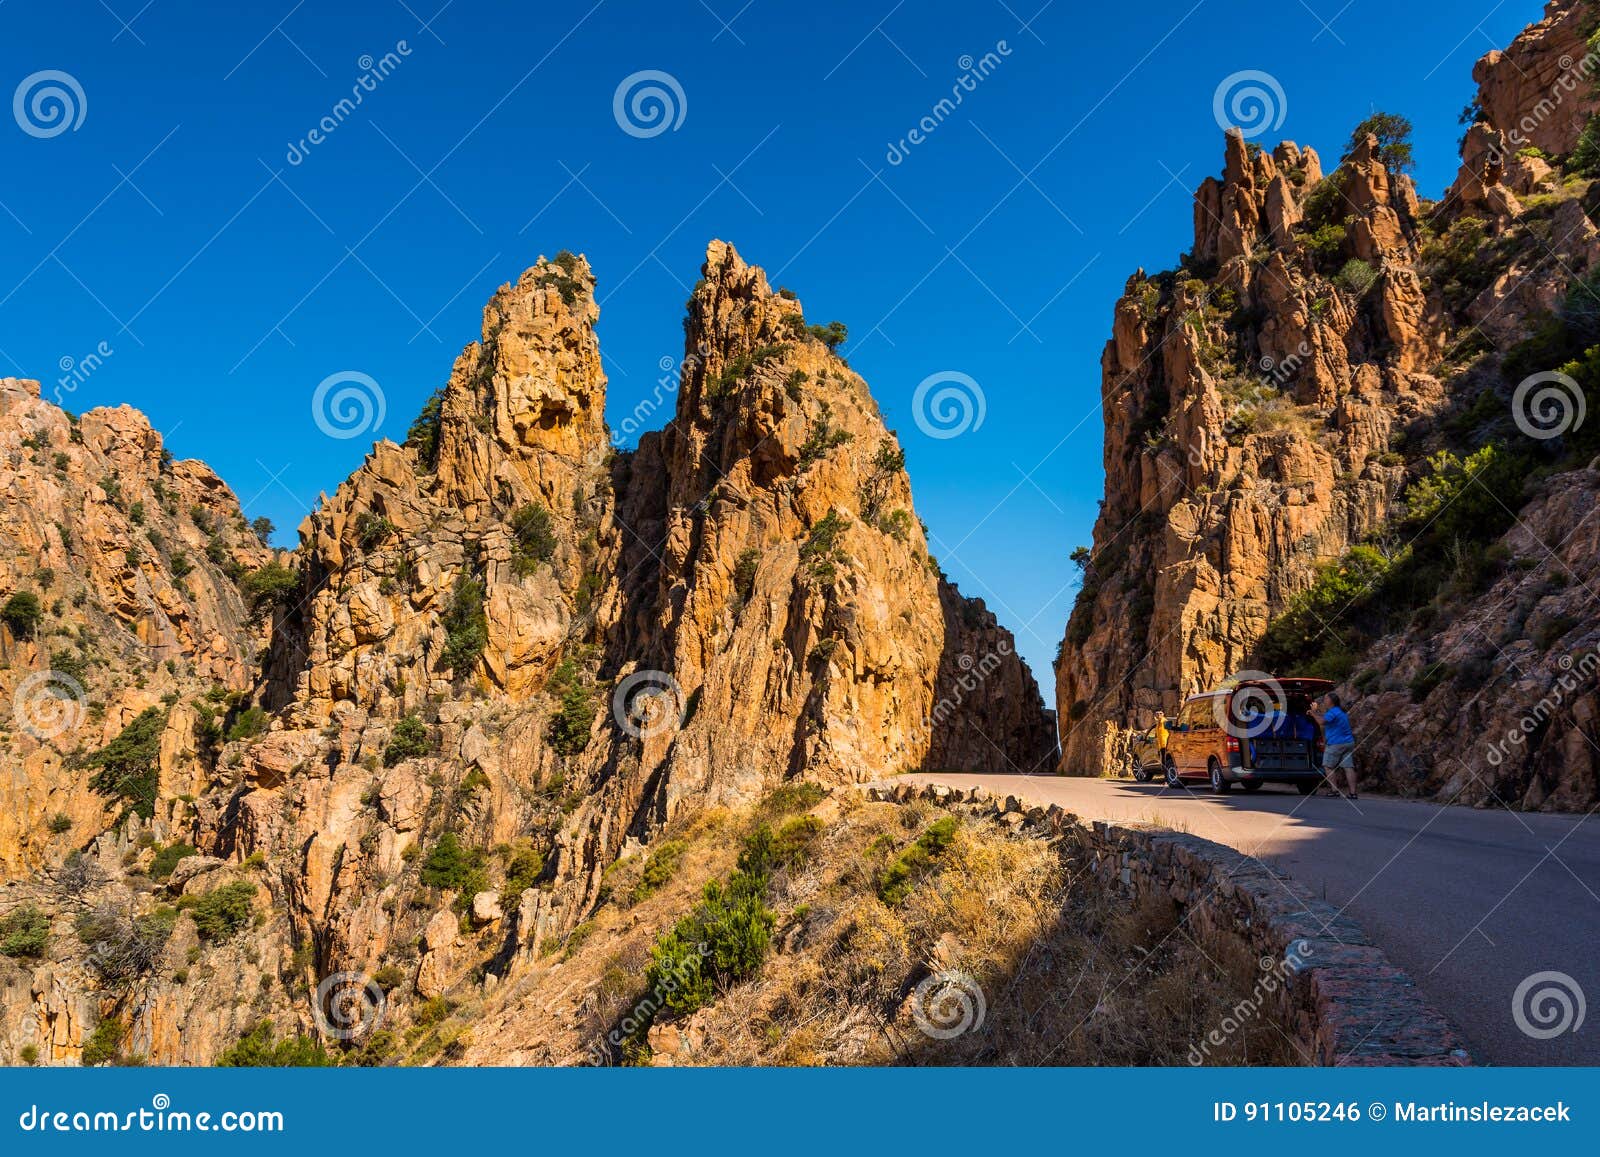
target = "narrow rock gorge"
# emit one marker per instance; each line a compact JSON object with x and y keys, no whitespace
{"x":1318,"y":460}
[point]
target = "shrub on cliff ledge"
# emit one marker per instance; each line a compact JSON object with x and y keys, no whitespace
{"x":127,"y":767}
{"x":257,"y":1050}
{"x":466,"y":627}
{"x":423,"y":436}
{"x":453,"y":868}
{"x":24,"y":932}
{"x":409,"y":740}
{"x":221,"y":912}
{"x":534,"y":539}
{"x":573,"y":721}
{"x":1394,"y":140}
{"x":22,"y":614}
{"x":269,"y":587}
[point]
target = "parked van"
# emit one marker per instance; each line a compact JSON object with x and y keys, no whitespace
{"x":1254,"y":731}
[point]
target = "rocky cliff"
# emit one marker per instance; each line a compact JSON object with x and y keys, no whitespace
{"x":504,"y":656}
{"x":119,"y":569}
{"x":1319,"y":460}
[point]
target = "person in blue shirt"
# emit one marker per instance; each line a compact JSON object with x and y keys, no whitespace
{"x":1339,"y":745}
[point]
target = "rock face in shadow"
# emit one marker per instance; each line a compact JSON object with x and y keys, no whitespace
{"x":1282,"y":412}
{"x":509,"y":640}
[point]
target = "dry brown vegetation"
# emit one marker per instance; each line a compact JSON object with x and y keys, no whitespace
{"x":1070,"y":975}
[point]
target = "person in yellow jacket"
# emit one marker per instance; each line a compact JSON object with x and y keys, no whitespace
{"x":1161,"y":732}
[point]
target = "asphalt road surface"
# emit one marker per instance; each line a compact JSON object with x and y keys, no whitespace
{"x":1470,"y":902}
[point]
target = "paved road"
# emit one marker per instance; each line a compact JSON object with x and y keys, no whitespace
{"x":1469,"y":902}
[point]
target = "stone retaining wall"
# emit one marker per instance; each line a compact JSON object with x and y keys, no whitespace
{"x":1347,"y":1002}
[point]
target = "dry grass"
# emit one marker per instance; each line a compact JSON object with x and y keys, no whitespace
{"x":1069,"y":974}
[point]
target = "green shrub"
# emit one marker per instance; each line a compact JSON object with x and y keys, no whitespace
{"x":257,"y":1050}
{"x":1552,"y":630}
{"x":744,"y":574}
{"x":166,"y":859}
{"x":902,"y":873}
{"x":251,"y":722}
{"x":269,"y":587}
{"x":372,"y":530}
{"x":792,"y":843}
{"x":524,"y":866}
{"x":104,"y":1045}
{"x":573,"y":721}
{"x":423,"y":436}
{"x":821,"y":553}
{"x":453,"y":868}
{"x":22,"y":613}
{"x":561,"y":274}
{"x":724,"y":940}
{"x":128,"y":766}
{"x":659,"y":867}
{"x":797,"y":795}
{"x":1394,"y":140}
{"x":832,"y":335}
{"x":1451,"y":261}
{"x":179,"y":564}
{"x":221,"y":912}
{"x":466,"y":627}
{"x":409,"y":740}
{"x":1585,"y":158}
{"x":60,"y":823}
{"x":534,"y":539}
{"x":821,"y":440}
{"x":24,"y":932}
{"x":389,"y":977}
{"x":1356,"y":277}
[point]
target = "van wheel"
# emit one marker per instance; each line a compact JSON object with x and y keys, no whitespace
{"x":1307,"y":787}
{"x":1219,"y":785}
{"x":1171,"y":770}
{"x":1252,"y":785}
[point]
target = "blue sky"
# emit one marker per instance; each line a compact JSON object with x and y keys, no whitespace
{"x":227,"y":282}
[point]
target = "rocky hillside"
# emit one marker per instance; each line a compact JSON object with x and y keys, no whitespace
{"x":504,"y":657}
{"x":1319,"y":460}
{"x":120,"y":577}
